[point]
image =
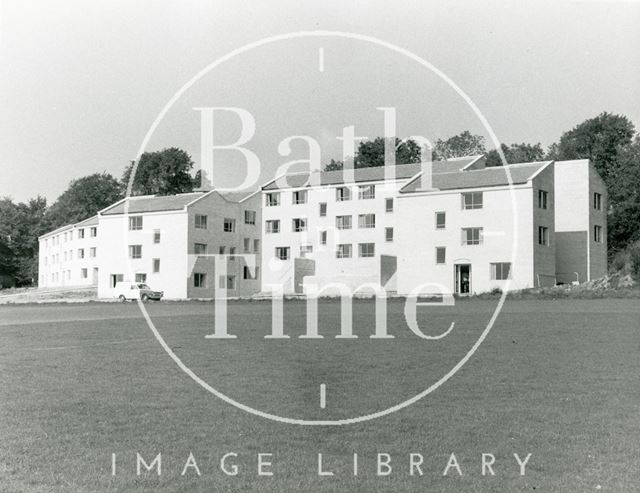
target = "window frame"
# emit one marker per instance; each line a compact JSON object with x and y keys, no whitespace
{"x":343,"y":194}
{"x":499,"y":266}
{"x":272,"y":199}
{"x":368,"y":254}
{"x":132,"y":252}
{"x":364,"y":224}
{"x":543,"y":199}
{"x":298,"y":224}
{"x":444,"y":224}
{"x":225,"y":222}
{"x":299,"y":197}
{"x":269,"y":226}
{"x":133,"y":223}
{"x":366,"y":192}
{"x":348,"y":249}
{"x":473,"y":242}
{"x":343,"y":218}
{"x":442,"y":249}
{"x":201,"y":221}
{"x":473,"y":205}
{"x":286,"y":250}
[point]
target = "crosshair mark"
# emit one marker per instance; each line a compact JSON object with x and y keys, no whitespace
{"x":321,"y":59}
{"x":323,"y":396}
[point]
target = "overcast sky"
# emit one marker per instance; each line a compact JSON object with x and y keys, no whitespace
{"x":82,"y":82}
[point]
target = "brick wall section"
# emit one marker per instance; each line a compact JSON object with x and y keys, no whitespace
{"x":544,"y":257}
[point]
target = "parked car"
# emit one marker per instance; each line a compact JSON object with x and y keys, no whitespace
{"x":136,"y":291}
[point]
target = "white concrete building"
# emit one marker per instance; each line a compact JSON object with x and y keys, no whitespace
{"x":169,"y":242}
{"x":68,"y":255}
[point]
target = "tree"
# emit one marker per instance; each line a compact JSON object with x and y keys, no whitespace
{"x":164,"y":172}
{"x":84,"y":198}
{"x":516,"y":153}
{"x":600,"y":139}
{"x":371,"y":154}
{"x":463,"y":144}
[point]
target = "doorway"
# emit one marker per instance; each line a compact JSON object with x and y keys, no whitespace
{"x":463,"y":278}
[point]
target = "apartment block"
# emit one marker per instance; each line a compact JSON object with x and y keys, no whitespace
{"x":170,"y":243}
{"x":68,"y":256}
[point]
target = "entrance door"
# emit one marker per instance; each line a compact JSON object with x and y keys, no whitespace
{"x":463,"y":278}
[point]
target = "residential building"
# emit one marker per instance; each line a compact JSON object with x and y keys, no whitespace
{"x":170,"y":243}
{"x":68,"y":256}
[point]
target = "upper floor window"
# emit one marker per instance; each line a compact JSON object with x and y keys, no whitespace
{"x":300,"y":197}
{"x":249,"y":217}
{"x":135,"y":223}
{"x":272,"y":226}
{"x":156,"y":236}
{"x":135,"y":251}
{"x":93,"y":232}
{"x":92,"y":252}
{"x":441,"y":220}
{"x":342,"y":194}
{"x":229,"y":225}
{"x":323,"y":237}
{"x":597,"y":201}
{"x":222,"y":250}
{"x":247,"y":245}
{"x":388,"y":205}
{"x":156,"y":265}
{"x":282,"y":253}
{"x":81,"y":233}
{"x":367,"y":192}
{"x":200,"y":248}
{"x":343,"y":222}
{"x":299,"y":224}
{"x":200,"y":221}
{"x":80,"y":252}
{"x":471,"y":236}
{"x":388,"y":234}
{"x":542,"y":199}
{"x":472,"y":200}
{"x":343,"y":250}
{"x":543,"y":235}
{"x":272,"y":199}
{"x":367,"y":221}
{"x":199,"y":280}
{"x":366,"y":249}
{"x":256,"y":246}
{"x":441,"y":255}
{"x":500,"y":271}
{"x":323,"y":209}
{"x":597,"y":234}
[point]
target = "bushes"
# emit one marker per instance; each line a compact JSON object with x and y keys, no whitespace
{"x":627,"y":261}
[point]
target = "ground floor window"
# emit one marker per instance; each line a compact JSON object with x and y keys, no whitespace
{"x":140,"y":277}
{"x":597,"y":234}
{"x":227,"y":282}
{"x":199,"y":280}
{"x":83,"y":273}
{"x":115,"y":278}
{"x":343,"y":251}
{"x":247,"y":274}
{"x":543,"y":235}
{"x":500,"y":271}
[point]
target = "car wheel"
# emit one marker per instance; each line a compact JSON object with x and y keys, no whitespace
{"x":145,"y":297}
{"x":122,"y":298}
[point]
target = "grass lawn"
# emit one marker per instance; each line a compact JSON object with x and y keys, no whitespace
{"x":557,"y":379}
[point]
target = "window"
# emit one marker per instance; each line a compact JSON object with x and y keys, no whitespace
{"x":272,"y":226}
{"x":249,"y":217}
{"x":222,"y":250}
{"x":388,"y":205}
{"x":597,"y":234}
{"x":200,"y":248}
{"x":141,"y":277}
{"x":543,"y":235}
{"x":93,"y":232}
{"x":471,"y":236}
{"x":81,"y":233}
{"x":272,"y":199}
{"x":247,"y":245}
{"x":343,"y":194}
{"x":135,"y":223}
{"x":441,"y":255}
{"x":229,"y":225}
{"x":156,"y":265}
{"x":366,"y":192}
{"x":135,"y":251}
{"x":500,"y":271}
{"x":441,"y":220}
{"x":299,"y":224}
{"x":323,"y":237}
{"x":367,"y":221}
{"x":343,"y":251}
{"x":542,"y":199}
{"x":282,"y":253}
{"x":343,"y":222}
{"x":366,"y":249}
{"x":323,"y":209}
{"x":227,"y":282}
{"x":199,"y":280}
{"x":92,"y":252}
{"x":83,"y":273}
{"x":304,"y":249}
{"x":388,"y":234}
{"x":232,"y":251}
{"x":300,"y":197}
{"x":472,"y":200}
{"x":246,"y":274}
{"x":156,"y":236}
{"x":597,"y":201}
{"x":256,"y":246}
{"x":200,"y":221}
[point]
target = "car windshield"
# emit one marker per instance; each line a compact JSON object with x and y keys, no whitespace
{"x":143,"y":286}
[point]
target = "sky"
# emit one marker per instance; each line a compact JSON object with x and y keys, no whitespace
{"x":82,"y":82}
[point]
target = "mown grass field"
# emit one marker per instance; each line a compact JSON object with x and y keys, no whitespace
{"x":557,"y":379}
